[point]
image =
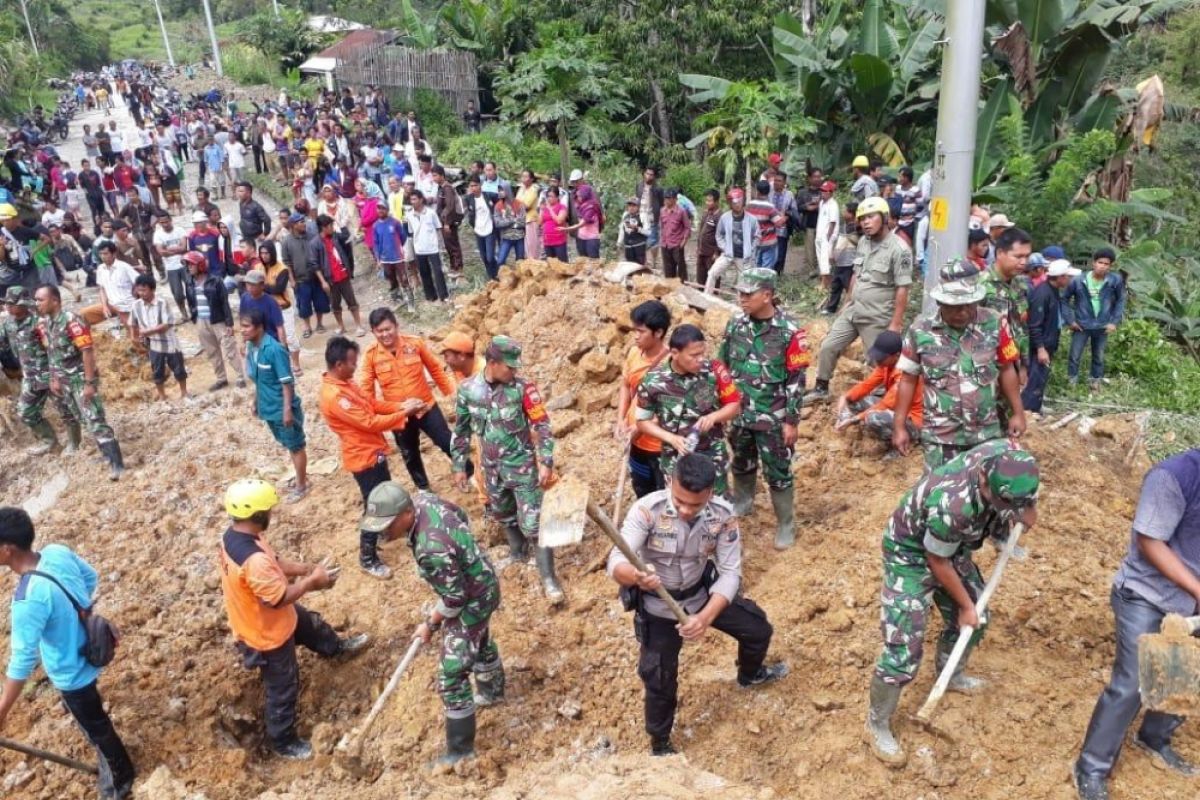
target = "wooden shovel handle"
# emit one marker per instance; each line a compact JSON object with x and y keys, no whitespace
{"x":46,"y":755}
{"x":601,"y":519}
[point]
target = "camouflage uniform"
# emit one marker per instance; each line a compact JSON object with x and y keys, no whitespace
{"x":677,"y":401}
{"x":960,"y":372}
{"x":451,"y":562}
{"x":1009,"y":299}
{"x":943,"y":514}
{"x":21,"y":337}
{"x":767,"y":359}
{"x":65,"y":336}
{"x":503,"y":416}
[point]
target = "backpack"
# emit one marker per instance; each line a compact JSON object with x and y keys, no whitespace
{"x":100,"y":635}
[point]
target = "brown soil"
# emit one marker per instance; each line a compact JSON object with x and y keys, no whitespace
{"x":572,"y":727}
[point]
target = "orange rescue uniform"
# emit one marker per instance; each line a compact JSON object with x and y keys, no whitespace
{"x":253,"y":590}
{"x":359,"y":420}
{"x":888,"y":377}
{"x":401,"y":375}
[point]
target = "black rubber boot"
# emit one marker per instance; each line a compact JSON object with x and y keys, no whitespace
{"x":47,"y":440}
{"x":662,"y":747}
{"x":489,"y":682}
{"x":784,"y":503}
{"x":460,"y":739}
{"x":819,"y":393}
{"x":518,"y":548}
{"x":545,"y":565}
{"x":116,"y":462}
{"x":743,"y":492}
{"x":368,"y":555}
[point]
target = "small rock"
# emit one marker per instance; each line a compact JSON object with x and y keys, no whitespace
{"x":752,"y":726}
{"x":840,"y":620}
{"x":597,"y":367}
{"x":176,"y":709}
{"x":824,"y":702}
{"x":563,"y":422}
{"x":560,"y":401}
{"x":570,"y":709}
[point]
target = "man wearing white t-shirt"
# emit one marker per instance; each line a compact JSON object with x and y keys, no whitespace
{"x":115,"y":280}
{"x":171,"y":244}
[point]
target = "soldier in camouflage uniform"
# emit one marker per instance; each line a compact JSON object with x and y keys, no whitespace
{"x":18,"y":332}
{"x":73,"y":371}
{"x":767,"y":354}
{"x":962,"y":353}
{"x":450,"y":561}
{"x":517,"y":450}
{"x":1007,"y":290}
{"x":927,"y":559}
{"x":689,"y":396}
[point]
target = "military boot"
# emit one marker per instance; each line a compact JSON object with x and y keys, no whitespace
{"x":368,"y":555}
{"x":784,"y":503}
{"x":819,"y":393}
{"x":884,"y":700}
{"x":960,"y":682}
{"x":518,"y":548}
{"x":74,"y":438}
{"x":116,"y":462}
{"x":743,"y":493}
{"x":460,"y":739}
{"x":489,"y":682}
{"x":545,"y":565}
{"x":47,"y":440}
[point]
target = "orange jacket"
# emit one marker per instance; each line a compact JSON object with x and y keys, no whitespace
{"x":359,"y":421}
{"x":888,"y":377}
{"x":402,"y":375}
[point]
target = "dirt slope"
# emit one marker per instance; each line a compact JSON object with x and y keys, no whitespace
{"x":572,"y":728}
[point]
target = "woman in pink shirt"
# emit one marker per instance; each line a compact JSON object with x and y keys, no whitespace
{"x":554,"y":226}
{"x":591,"y":216}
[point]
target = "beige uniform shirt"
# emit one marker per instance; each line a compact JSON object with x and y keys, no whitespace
{"x":879,"y":268}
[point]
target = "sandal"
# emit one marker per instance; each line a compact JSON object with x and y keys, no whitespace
{"x":320,"y":329}
{"x":307,"y":334}
{"x":297,"y":494}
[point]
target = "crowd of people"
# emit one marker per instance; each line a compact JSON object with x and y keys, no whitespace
{"x":700,"y":421}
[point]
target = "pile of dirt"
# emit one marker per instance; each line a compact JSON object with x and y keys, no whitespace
{"x":572,"y":727}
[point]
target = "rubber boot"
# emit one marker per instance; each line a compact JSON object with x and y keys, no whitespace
{"x":47,"y":440}
{"x":518,"y":548}
{"x":884,"y":700}
{"x":460,"y":739}
{"x":74,"y":438}
{"x":784,"y":503}
{"x":489,"y":683}
{"x":368,"y":555}
{"x":116,"y":463}
{"x":960,"y":682}
{"x":545,"y":565}
{"x":819,"y":393}
{"x":743,"y":493}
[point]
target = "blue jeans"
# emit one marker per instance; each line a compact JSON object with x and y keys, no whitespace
{"x":487,"y":253}
{"x":1079,"y":340}
{"x":1035,"y":386}
{"x":510,"y":246}
{"x":767,"y":256}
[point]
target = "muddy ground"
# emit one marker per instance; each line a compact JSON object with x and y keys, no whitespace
{"x":572,"y":725}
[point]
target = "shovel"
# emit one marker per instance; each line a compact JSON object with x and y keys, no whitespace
{"x":964,"y":633}
{"x":46,"y":755}
{"x":564,"y":512}
{"x":1169,"y":666}
{"x":349,"y":749}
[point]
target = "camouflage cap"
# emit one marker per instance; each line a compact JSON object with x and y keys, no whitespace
{"x":1013,"y":478}
{"x":505,"y":349}
{"x":384,"y":504}
{"x":757,"y":278}
{"x":959,"y":284}
{"x":18,"y":296}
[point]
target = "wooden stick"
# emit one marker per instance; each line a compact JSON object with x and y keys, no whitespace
{"x":964,"y":633}
{"x":361,"y":731}
{"x":598,"y":516}
{"x":46,"y":755}
{"x":623,"y":467}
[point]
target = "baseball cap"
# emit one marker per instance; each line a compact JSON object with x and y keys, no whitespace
{"x":409,"y":179}
{"x":1036,"y":261}
{"x":756,"y":278}
{"x":1000,"y":221}
{"x":256,"y":276}
{"x":671,"y":193}
{"x":459,"y":342}
{"x":632,"y":201}
{"x":296,"y":217}
{"x":828,"y":186}
{"x":1059,"y":267}
{"x":737,"y":194}
{"x":506,"y":350}
{"x":199,"y":216}
{"x":576,"y":175}
{"x":18,"y":296}
{"x":398,"y":148}
{"x":384,"y":504}
{"x":887,"y":343}
{"x":774,"y":159}
{"x":1013,"y":479}
{"x":1053,"y":252}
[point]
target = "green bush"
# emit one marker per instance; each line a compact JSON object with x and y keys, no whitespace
{"x":691,"y":179}
{"x":439,"y":121}
{"x":247,"y":66}
{"x":462,"y":150}
{"x":541,"y":156}
{"x":1160,"y":374}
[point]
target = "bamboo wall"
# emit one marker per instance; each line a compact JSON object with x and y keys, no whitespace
{"x":399,"y":71}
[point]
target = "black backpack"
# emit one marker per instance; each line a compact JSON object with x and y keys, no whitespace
{"x":100,"y":635}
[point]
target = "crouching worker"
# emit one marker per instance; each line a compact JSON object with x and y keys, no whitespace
{"x":449,"y":560}
{"x":689,"y":540}
{"x":267,"y":620}
{"x":927,"y":559}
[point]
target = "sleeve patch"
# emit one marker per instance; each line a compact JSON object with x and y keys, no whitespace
{"x":80,"y":334}
{"x":727,"y":390}
{"x":534,"y":409}
{"x":1008,"y":351}
{"x":798,"y":357}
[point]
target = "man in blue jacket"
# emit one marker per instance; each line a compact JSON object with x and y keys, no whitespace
{"x":1045,"y":326}
{"x":46,"y":625}
{"x":1093,"y":307}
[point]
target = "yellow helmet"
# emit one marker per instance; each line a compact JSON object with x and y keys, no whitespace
{"x":8,"y":211}
{"x":861,"y":162}
{"x":873,"y":205}
{"x":245,"y":498}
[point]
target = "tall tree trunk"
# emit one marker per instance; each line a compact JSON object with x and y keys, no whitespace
{"x":660,"y":101}
{"x":564,"y":151}
{"x":808,"y":16}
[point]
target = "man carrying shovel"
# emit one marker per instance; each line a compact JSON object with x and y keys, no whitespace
{"x":450,"y":561}
{"x":690,"y":544}
{"x":927,"y":550}
{"x":1160,"y":575}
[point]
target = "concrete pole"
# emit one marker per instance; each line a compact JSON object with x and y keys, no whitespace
{"x":212,"y":36}
{"x":163,"y":26}
{"x":954,"y":157}
{"x":29,"y":27}
{"x":275,"y":5}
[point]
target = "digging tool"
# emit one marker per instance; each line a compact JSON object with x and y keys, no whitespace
{"x":965,"y":632}
{"x":622,"y":471}
{"x":564,"y":512}
{"x":46,"y":755}
{"x":1169,"y":666}
{"x":349,"y":748}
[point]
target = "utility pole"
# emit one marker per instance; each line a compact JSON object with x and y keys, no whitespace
{"x":166,"y":41}
{"x":954,"y":155}
{"x":212,"y":36}
{"x":275,"y":4}
{"x":29,"y":27}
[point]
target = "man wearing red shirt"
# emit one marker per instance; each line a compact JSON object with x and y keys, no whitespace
{"x":675,"y":227}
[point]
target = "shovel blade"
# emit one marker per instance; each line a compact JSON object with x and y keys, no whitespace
{"x":1169,"y":672}
{"x":564,"y":513}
